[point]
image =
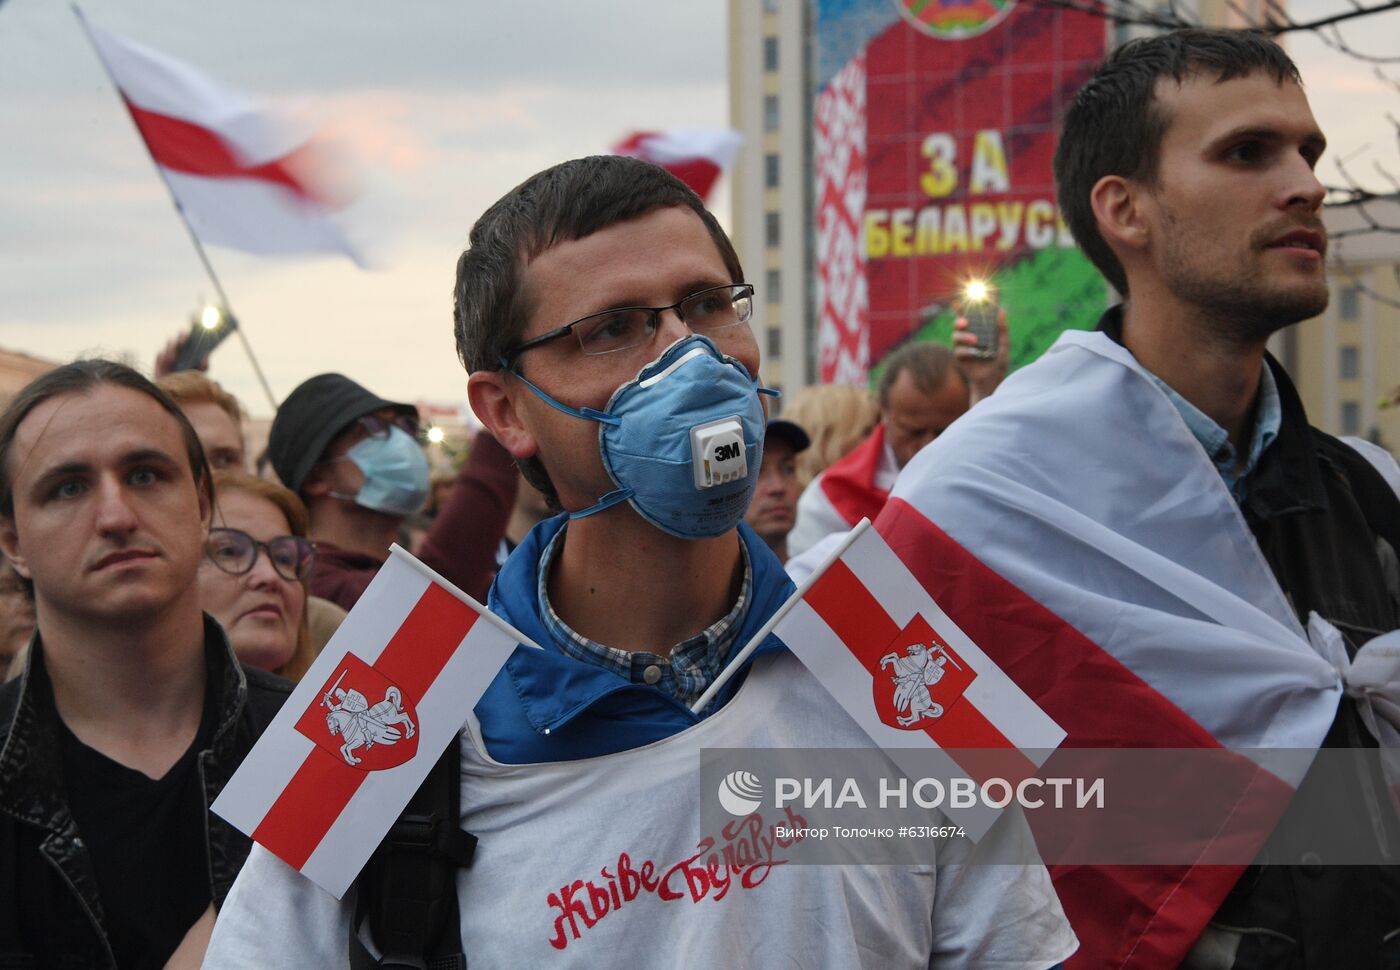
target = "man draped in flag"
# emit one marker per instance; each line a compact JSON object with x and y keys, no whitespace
{"x":604,"y":317}
{"x":1143,"y":528}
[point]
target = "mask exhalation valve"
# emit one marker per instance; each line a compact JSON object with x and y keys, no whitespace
{"x":717,"y":452}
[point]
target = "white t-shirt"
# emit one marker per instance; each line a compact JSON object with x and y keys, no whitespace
{"x":601,"y":862}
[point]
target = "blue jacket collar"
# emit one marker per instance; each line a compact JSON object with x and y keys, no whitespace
{"x":553,"y":690}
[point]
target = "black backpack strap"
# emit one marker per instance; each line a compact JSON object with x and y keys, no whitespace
{"x":408,"y":890}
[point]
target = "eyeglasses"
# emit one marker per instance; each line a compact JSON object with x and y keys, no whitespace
{"x":706,"y":311}
{"x":236,"y":552}
{"x":378,"y":427}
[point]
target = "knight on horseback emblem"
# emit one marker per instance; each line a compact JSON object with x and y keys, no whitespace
{"x":350,"y":716}
{"x":919,"y":677}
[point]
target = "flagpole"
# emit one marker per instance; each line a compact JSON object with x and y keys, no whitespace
{"x":194,"y":238}
{"x":733,"y":667}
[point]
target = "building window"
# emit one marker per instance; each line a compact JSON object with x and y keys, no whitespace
{"x":770,"y":53}
{"x":772,"y":229}
{"x":1351,"y":303}
{"x":773,"y":287}
{"x":770,"y":6}
{"x":770,"y":171}
{"x":1351,"y":417}
{"x":1350,"y":364}
{"x":775,"y":344}
{"x":770,"y":112}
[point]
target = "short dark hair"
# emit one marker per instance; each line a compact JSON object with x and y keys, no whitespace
{"x":82,"y":377}
{"x":1115,"y":125}
{"x":929,"y":365}
{"x":491,"y":304}
{"x":569,"y":201}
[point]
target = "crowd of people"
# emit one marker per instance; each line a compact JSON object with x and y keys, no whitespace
{"x":158,"y":600}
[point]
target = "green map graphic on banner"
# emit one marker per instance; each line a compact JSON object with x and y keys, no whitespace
{"x":954,"y":20}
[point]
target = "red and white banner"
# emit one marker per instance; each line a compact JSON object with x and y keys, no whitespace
{"x":696,"y":156}
{"x":1113,"y":576}
{"x":909,"y":676}
{"x":1125,"y":915}
{"x":389,"y":692}
{"x":242,"y":176}
{"x":843,"y":331}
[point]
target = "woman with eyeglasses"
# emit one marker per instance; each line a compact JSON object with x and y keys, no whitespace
{"x":254,"y":577}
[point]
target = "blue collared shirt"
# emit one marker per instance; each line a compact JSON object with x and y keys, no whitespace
{"x":1216,"y":441}
{"x":694,"y":663}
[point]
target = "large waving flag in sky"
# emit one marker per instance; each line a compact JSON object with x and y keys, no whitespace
{"x":241,"y":175}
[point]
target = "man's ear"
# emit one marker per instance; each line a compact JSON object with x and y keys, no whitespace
{"x":1118,"y":205}
{"x":492,"y":398}
{"x":9,"y":545}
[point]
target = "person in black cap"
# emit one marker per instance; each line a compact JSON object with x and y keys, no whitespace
{"x":355,"y":460}
{"x":773,"y":510}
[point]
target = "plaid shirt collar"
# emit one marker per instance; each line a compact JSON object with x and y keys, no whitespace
{"x":694,"y":663}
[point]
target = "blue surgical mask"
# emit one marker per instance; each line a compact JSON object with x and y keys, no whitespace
{"x":396,"y":473}
{"x":682,"y":441}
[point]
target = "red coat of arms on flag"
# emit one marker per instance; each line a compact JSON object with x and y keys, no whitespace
{"x":363,"y":718}
{"x":920,"y":678}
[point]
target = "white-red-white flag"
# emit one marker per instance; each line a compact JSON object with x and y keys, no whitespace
{"x":1110,"y":572}
{"x":242,"y":175}
{"x":696,"y":156}
{"x":907,"y":674}
{"x":389,"y":692}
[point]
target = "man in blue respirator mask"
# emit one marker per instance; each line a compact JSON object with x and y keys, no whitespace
{"x":605,"y":322}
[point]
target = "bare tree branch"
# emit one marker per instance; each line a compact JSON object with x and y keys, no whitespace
{"x":1357,"y":11}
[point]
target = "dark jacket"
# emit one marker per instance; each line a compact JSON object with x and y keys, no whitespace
{"x":1325,"y":519}
{"x":1326,"y":522}
{"x":340,"y":575}
{"x":50,"y":913}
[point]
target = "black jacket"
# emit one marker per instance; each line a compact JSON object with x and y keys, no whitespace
{"x":1327,"y":524}
{"x":50,"y":912}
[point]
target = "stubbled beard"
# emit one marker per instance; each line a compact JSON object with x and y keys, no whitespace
{"x":1247,"y":313}
{"x":1236,"y":306}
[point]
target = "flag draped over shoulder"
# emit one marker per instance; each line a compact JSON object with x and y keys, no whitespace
{"x":696,"y":156}
{"x":1073,"y":526}
{"x":242,"y":176}
{"x":389,"y":692}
